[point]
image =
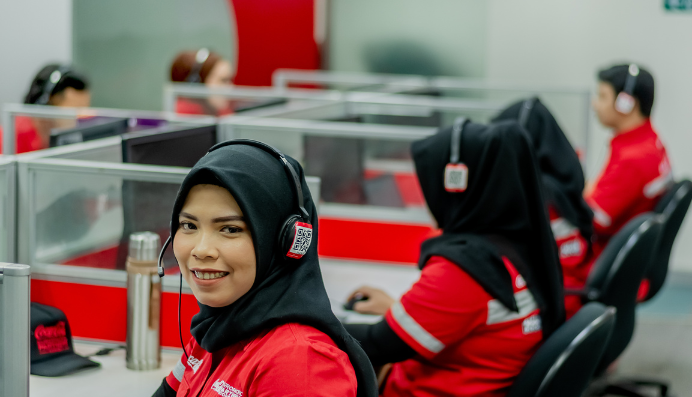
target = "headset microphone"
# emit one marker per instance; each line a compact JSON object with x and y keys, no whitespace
{"x":624,"y":103}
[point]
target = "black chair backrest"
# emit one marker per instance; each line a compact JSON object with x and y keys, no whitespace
{"x":565,"y":363}
{"x":673,"y":206}
{"x":617,"y":273}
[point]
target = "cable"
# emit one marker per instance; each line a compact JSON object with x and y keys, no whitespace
{"x":180,"y":327}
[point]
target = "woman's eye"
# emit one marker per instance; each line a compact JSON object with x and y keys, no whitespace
{"x":231,"y":229}
{"x":187,"y":226}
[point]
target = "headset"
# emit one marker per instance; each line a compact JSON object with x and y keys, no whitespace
{"x":295,"y":236}
{"x":525,"y":112}
{"x":456,"y":173}
{"x":53,"y":80}
{"x":195,"y":72}
{"x":624,"y":103}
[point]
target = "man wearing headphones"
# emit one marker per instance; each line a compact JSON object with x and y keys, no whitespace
{"x":638,"y":171}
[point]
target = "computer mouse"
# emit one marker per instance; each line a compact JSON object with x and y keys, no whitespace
{"x":356,"y":298}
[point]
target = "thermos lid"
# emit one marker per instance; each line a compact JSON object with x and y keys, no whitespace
{"x":144,"y":246}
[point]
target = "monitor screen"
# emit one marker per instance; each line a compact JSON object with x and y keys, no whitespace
{"x":88,"y":130}
{"x":179,"y":146}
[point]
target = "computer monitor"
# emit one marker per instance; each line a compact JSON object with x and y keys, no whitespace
{"x":171,"y":145}
{"x":147,"y":206}
{"x":87,"y":130}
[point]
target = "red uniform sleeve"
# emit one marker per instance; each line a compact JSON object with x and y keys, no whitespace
{"x":305,"y":370}
{"x":618,"y":188}
{"x":441,"y":308}
{"x":176,"y":376}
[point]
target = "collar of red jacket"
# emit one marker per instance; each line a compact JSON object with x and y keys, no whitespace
{"x":633,"y":136}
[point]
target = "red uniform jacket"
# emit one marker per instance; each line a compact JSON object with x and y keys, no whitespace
{"x":27,"y":139}
{"x":289,"y":360}
{"x":468,"y":343}
{"x":636,"y":175}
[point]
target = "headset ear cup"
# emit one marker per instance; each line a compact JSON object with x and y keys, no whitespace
{"x":295,"y":237}
{"x":624,"y":103}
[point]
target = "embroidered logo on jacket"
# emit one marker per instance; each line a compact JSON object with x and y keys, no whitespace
{"x":194,"y":363}
{"x":531,"y":324}
{"x":225,"y":390}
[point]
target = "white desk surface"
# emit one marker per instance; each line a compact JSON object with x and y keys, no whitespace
{"x":114,"y":379}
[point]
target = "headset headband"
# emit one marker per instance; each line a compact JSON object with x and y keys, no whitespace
{"x":287,"y":166}
{"x":631,"y":82}
{"x":457,"y":129}
{"x":525,"y":112}
{"x":53,"y":80}
{"x":195,"y":72}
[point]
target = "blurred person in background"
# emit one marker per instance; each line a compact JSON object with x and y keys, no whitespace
{"x":638,"y":171}
{"x":490,"y":289}
{"x":54,"y":85}
{"x":206,"y":67}
{"x":562,"y":177}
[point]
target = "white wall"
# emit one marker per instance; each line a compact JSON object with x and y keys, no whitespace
{"x":32,"y":34}
{"x":552,"y":41}
{"x":452,"y":32}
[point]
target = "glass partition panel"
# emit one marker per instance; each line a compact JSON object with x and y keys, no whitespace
{"x":367,"y":165}
{"x":7,"y":209}
{"x":82,"y":213}
{"x":35,"y":127}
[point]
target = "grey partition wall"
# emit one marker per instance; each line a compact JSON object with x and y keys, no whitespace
{"x":53,"y":117}
{"x":571,"y":105}
{"x":256,"y":101}
{"x":7,"y":208}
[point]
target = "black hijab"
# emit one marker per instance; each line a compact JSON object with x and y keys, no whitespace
{"x":561,"y":171}
{"x":502,"y":204}
{"x":283,"y":291}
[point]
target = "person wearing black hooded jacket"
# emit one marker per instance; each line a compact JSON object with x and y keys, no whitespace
{"x":562,"y":176}
{"x":490,"y":288}
{"x":265,"y":325}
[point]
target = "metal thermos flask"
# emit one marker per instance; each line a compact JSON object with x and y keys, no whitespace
{"x":143,"y":302}
{"x":15,"y":330}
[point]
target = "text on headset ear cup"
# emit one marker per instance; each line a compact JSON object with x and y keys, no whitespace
{"x":295,"y":237}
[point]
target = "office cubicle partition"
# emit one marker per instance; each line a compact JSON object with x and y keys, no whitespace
{"x":16,"y":117}
{"x":7,"y":208}
{"x":571,"y":105}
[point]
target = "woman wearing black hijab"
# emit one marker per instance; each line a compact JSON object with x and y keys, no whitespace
{"x":563,"y":185}
{"x":489,"y":284}
{"x":265,"y":326}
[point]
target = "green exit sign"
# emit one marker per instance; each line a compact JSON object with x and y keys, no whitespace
{"x":678,"y":5}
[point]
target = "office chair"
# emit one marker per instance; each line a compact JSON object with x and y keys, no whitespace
{"x":673,"y":206}
{"x":565,"y":363}
{"x":614,"y":281}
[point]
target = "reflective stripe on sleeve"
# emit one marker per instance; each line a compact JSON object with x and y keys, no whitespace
{"x":179,"y":370}
{"x":415,"y":331}
{"x":562,"y":228}
{"x":601,"y":217}
{"x":658,"y":186}
{"x":498,"y":313}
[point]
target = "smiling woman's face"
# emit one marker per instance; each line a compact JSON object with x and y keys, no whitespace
{"x":214,"y":247}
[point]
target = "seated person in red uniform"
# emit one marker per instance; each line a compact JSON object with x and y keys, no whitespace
{"x":638,"y":171}
{"x":56,"y":85}
{"x":490,"y":289}
{"x":206,"y":67}
{"x":265,"y":325}
{"x":563,"y":186}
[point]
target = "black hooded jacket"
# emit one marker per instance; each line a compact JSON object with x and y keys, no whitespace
{"x":561,"y":172}
{"x":501,"y":213}
{"x":284,"y":290}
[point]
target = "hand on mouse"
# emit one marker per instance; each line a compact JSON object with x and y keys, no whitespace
{"x":376,"y":301}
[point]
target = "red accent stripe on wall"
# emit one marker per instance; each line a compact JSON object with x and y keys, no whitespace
{"x":100,"y":312}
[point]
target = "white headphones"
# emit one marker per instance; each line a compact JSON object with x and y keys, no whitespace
{"x":624,"y":103}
